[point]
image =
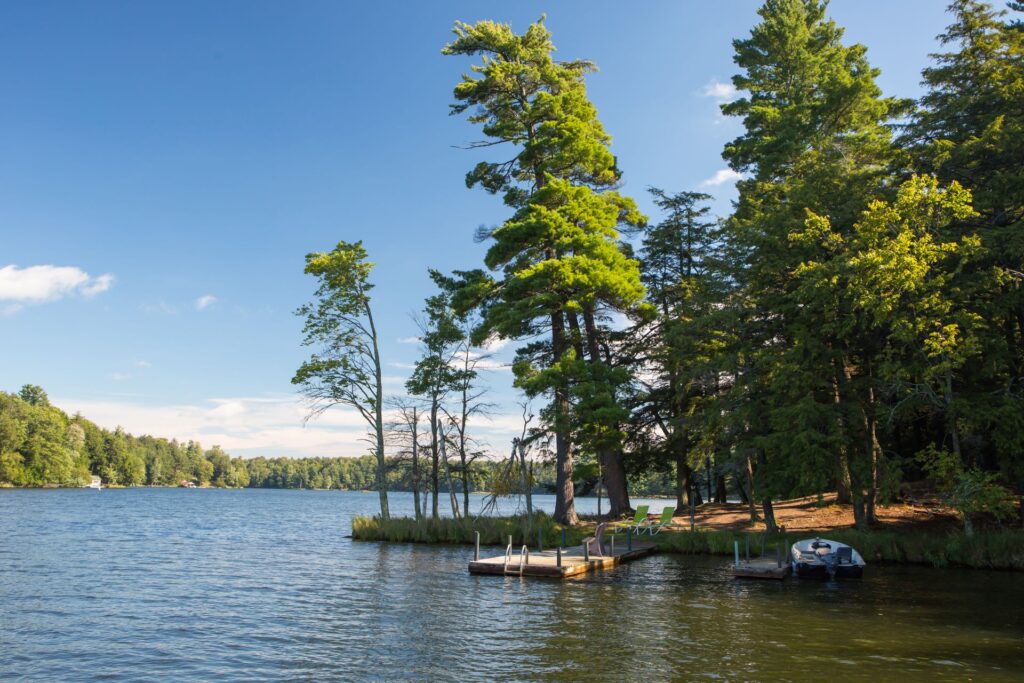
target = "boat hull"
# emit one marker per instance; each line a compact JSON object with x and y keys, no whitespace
{"x":819,"y":558}
{"x":805,"y":570}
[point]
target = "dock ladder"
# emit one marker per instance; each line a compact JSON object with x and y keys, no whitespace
{"x":524,"y":559}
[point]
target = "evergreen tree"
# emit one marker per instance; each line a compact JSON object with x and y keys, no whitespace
{"x":970,"y":130}
{"x":558,"y":256}
{"x":345,"y":369}
{"x":815,"y":139}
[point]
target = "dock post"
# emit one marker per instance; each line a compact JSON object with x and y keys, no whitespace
{"x":558,"y":557}
{"x":778,"y":555}
{"x":540,"y":540}
{"x":476,"y":555}
{"x":586,"y":552}
{"x":747,"y":539}
{"x":736,"y":551}
{"x":693,"y":510}
{"x":613,"y":544}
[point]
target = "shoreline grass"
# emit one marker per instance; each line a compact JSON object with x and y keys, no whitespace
{"x":999,"y":549}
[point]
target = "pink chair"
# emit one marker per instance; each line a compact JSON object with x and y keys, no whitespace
{"x":595,"y":542}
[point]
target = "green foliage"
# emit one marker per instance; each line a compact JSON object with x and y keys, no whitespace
{"x":557,"y":257}
{"x":968,"y":490}
{"x":493,"y":530}
{"x":34,"y":395}
{"x":345,"y":367}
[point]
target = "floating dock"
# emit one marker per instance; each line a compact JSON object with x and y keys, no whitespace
{"x":761,"y":569}
{"x":555,"y":564}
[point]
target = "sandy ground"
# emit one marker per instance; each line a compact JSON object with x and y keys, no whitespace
{"x":820,"y":515}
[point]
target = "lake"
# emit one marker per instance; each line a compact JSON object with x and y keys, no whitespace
{"x":264,"y":584}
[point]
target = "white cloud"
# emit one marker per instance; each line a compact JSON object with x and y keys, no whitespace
{"x":719,"y":91}
{"x":270,"y":425}
{"x":205,"y":301}
{"x":120,"y":376}
{"x":409,"y":340}
{"x":143,"y":364}
{"x":722,"y":177}
{"x":39,"y":284}
{"x":162,"y":307}
{"x":495,"y":344}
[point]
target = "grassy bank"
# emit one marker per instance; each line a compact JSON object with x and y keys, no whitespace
{"x":1002,"y":549}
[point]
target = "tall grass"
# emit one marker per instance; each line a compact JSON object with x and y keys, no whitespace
{"x":1002,"y":549}
{"x":493,"y":530}
{"x":988,"y":550}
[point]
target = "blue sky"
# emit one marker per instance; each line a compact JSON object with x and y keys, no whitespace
{"x":165,"y":167}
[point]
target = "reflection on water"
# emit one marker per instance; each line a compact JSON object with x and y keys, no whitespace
{"x":241,"y":585}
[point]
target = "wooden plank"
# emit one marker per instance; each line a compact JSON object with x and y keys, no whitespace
{"x":761,"y":569}
{"x":545,"y":564}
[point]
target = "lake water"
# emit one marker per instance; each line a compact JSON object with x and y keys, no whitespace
{"x":259,"y":584}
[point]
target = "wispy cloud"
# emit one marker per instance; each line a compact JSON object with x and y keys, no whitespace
{"x":495,"y":344}
{"x":205,"y":301}
{"x":409,"y":340}
{"x":722,"y":177}
{"x":160,"y":307}
{"x":719,"y":91}
{"x":121,"y":376}
{"x":143,"y":364}
{"x":20,"y":287}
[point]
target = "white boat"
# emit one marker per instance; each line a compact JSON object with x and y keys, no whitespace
{"x":822,"y":558}
{"x":96,"y":483}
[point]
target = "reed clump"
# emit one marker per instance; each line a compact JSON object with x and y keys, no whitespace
{"x":493,"y":530}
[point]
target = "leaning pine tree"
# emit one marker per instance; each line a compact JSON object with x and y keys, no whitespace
{"x":557,"y":260}
{"x":345,"y":368}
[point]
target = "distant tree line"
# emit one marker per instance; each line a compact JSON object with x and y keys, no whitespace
{"x":41,"y":445}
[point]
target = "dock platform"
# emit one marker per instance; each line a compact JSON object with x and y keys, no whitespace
{"x":545,"y":563}
{"x":764,"y":568}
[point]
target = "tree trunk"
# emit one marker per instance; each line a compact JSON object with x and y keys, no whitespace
{"x":614,"y":481}
{"x":524,"y":482}
{"x":416,"y":465}
{"x":464,"y":421}
{"x":721,"y":493}
{"x":448,"y":478}
{"x":682,"y":482}
{"x":609,"y":458}
{"x":1020,"y":501}
{"x":435,"y":462}
{"x":744,"y":498}
{"x":874,"y":451}
{"x":843,"y":494}
{"x":710,"y":475}
{"x":565,"y":499}
{"x":769,"y":515}
{"x":766,"y":501}
{"x":382,"y":482}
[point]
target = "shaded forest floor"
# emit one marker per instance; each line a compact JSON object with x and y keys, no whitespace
{"x":812,"y":513}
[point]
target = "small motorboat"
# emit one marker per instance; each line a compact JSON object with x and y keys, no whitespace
{"x":822,"y":558}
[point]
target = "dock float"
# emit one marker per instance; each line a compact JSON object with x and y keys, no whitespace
{"x":762,"y":567}
{"x":560,"y":563}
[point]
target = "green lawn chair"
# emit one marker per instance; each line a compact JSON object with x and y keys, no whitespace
{"x":638,"y":520}
{"x":654,"y":527}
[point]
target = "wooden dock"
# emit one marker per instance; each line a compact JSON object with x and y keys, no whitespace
{"x":545,"y":563}
{"x":764,"y":568}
